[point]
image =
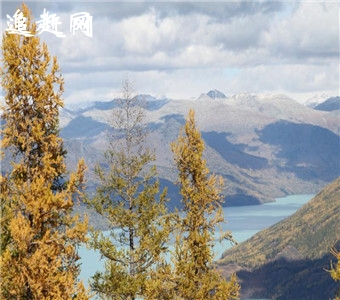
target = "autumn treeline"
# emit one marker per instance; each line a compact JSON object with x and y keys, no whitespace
{"x":40,"y":235}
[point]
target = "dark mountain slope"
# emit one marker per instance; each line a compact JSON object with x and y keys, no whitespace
{"x":81,"y":127}
{"x":282,"y":279}
{"x":309,"y":151}
{"x":233,"y":153}
{"x":330,"y":104}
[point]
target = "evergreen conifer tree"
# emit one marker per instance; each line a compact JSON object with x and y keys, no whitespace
{"x":194,"y":277}
{"x":128,"y":197}
{"x":39,"y":248}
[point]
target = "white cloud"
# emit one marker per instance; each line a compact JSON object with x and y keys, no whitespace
{"x":183,"y":49}
{"x":312,"y":32}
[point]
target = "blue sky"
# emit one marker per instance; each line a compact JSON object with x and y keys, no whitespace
{"x":182,"y":49}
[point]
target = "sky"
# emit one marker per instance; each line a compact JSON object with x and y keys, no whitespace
{"x":180,"y":49}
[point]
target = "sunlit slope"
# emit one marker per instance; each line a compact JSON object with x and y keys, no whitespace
{"x":307,"y":234}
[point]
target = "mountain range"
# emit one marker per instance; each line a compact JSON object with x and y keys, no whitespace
{"x":264,"y":146}
{"x":289,"y":259}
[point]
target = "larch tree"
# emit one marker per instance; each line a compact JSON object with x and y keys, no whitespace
{"x":39,"y":258}
{"x":335,"y":270}
{"x":128,"y":197}
{"x":194,"y":275}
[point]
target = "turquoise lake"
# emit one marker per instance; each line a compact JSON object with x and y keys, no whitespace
{"x":242,"y":221}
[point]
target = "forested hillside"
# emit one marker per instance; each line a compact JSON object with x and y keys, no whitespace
{"x":277,"y":261}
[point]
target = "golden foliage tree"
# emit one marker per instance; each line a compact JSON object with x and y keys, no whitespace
{"x":39,"y":248}
{"x":335,"y":270}
{"x":128,"y":197}
{"x":195,"y":278}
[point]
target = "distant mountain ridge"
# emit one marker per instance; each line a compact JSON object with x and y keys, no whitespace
{"x":330,"y":104}
{"x":280,"y":260}
{"x":265,"y":146}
